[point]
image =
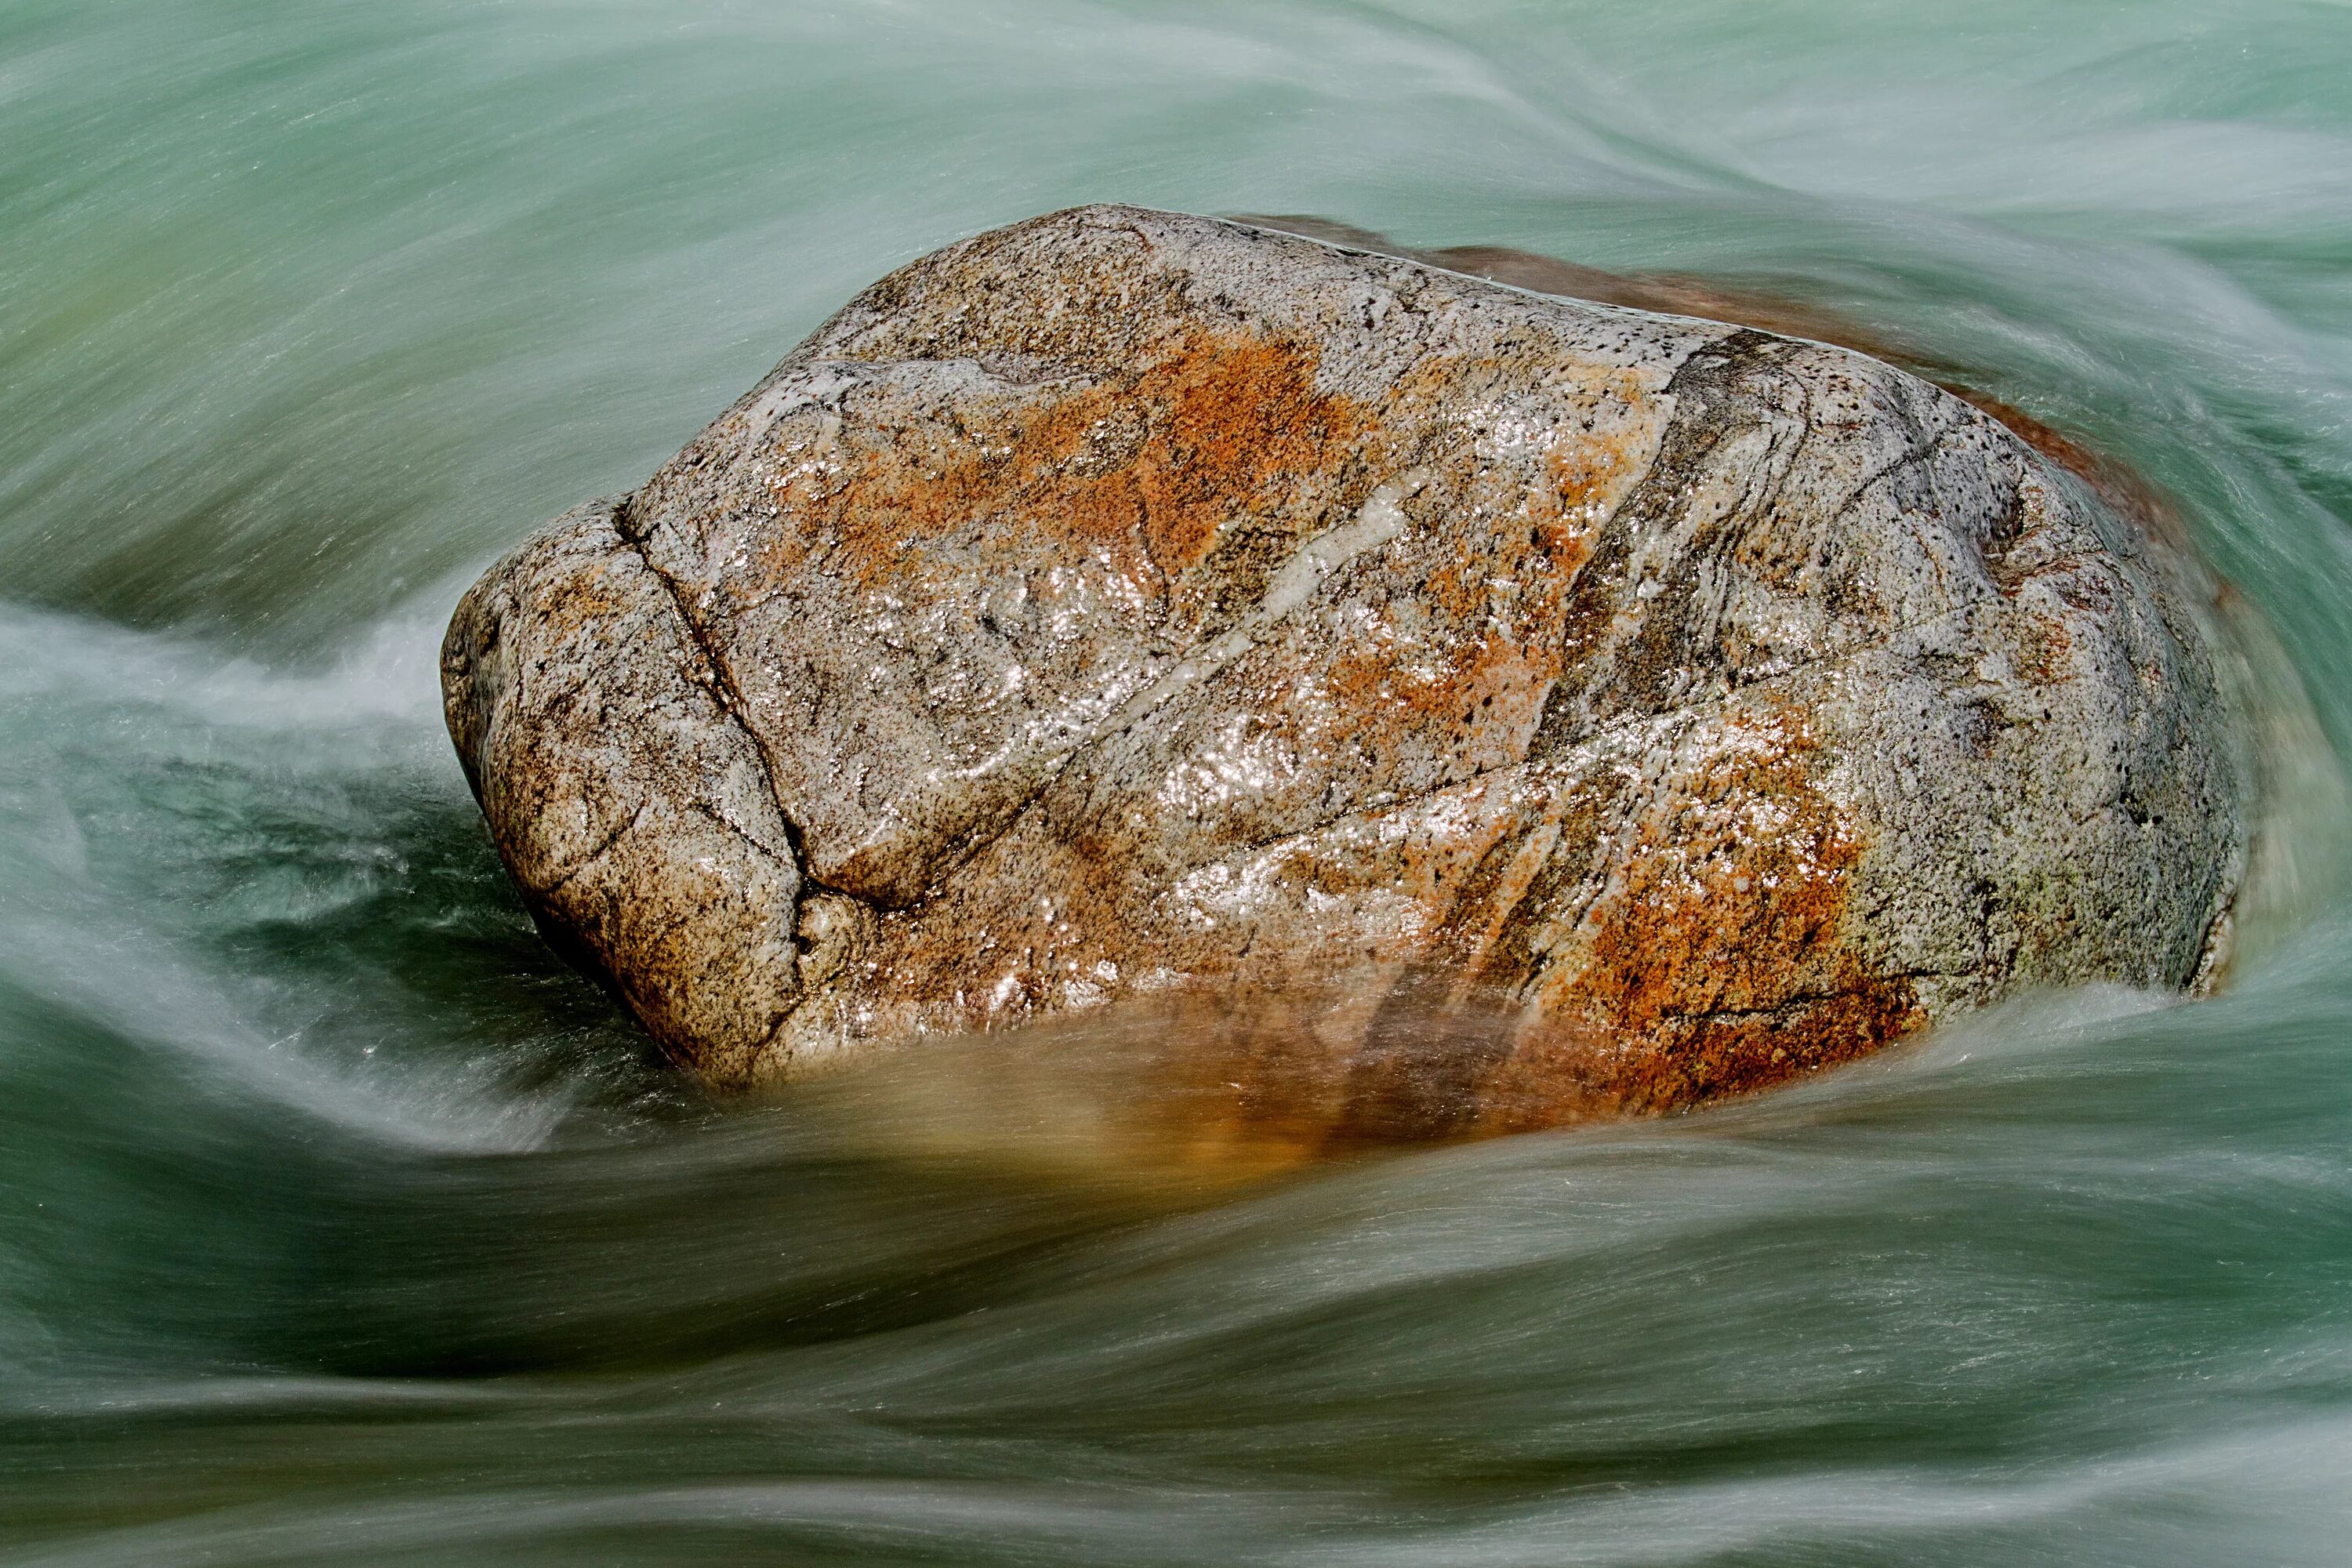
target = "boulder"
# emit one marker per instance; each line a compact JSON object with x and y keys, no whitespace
{"x":1127,"y":607}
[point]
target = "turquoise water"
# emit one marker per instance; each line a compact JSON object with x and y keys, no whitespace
{"x":338,"y":1223}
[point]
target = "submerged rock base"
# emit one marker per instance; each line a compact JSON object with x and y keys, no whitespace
{"x":1124,"y":608}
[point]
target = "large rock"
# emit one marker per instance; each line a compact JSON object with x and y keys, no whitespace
{"x":1128,"y":605}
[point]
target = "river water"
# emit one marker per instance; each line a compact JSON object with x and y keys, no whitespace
{"x":339,"y":1224}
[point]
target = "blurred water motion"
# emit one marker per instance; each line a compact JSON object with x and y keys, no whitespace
{"x":339,"y":1223}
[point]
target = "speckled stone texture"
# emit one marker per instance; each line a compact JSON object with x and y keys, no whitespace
{"x":1127,"y":607}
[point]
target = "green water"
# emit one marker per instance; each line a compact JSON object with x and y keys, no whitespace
{"x":338,"y":1223}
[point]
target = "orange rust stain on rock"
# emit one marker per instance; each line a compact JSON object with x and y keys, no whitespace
{"x":1591,"y":476}
{"x":1152,"y":463}
{"x":1714,"y":964}
{"x":1565,"y":1070}
{"x":1242,"y":418}
{"x":1718,"y":893}
{"x":1510,"y":579}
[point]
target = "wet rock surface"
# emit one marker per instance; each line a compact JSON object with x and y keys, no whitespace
{"x":1125,"y":609}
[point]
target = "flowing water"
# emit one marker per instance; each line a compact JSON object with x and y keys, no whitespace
{"x":339,"y":1223}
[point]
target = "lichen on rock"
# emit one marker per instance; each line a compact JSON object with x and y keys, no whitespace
{"x":1125,"y":607}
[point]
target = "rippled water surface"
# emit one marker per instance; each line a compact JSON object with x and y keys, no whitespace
{"x":338,"y":1223}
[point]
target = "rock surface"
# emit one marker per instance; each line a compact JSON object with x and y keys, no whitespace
{"x":1124,"y":605}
